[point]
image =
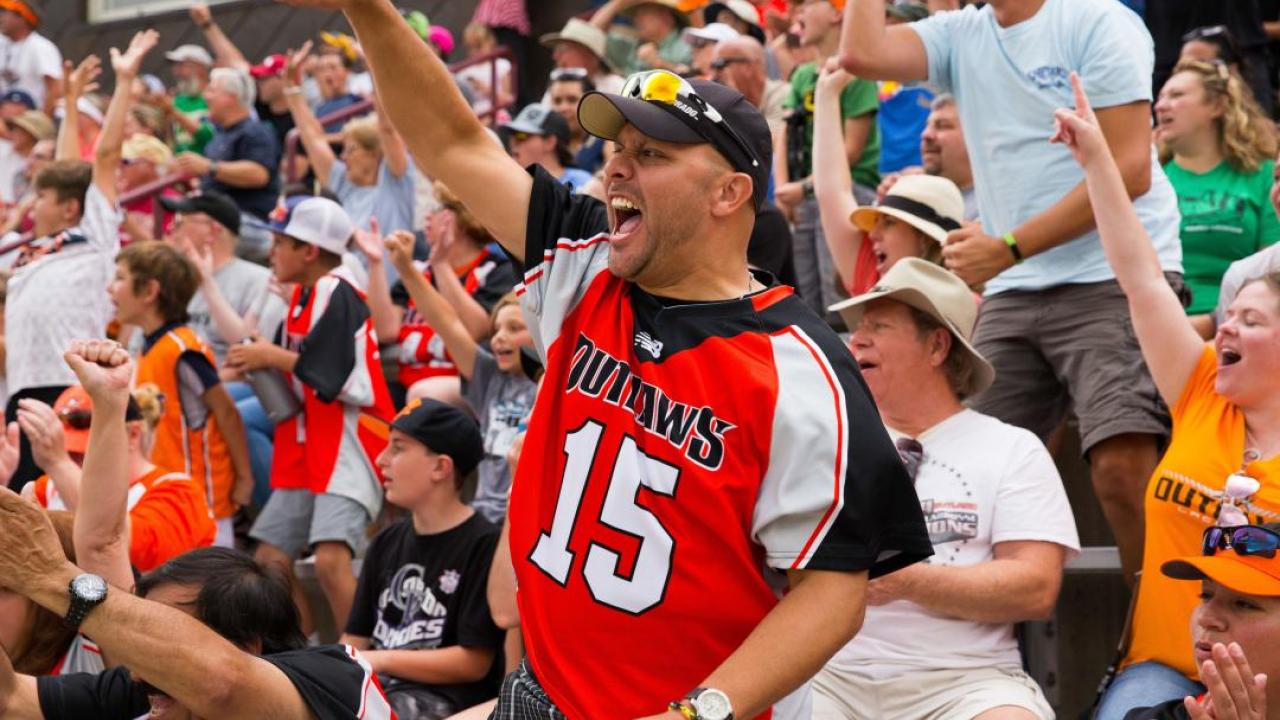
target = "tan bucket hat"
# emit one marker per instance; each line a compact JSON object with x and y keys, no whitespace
{"x":36,"y":123}
{"x":934,"y":290}
{"x":682,"y":19}
{"x":581,"y":32}
{"x":931,"y":204}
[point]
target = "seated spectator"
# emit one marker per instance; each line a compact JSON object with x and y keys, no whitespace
{"x":912,"y":220}
{"x":1222,"y":397}
{"x":372,"y":178}
{"x":32,"y":62}
{"x":420,"y":615}
{"x":563,"y":94}
{"x":233,"y":301}
{"x":241,"y":159}
{"x":938,"y":639}
{"x":20,"y":135}
{"x":1218,"y":148}
{"x":471,"y":276}
{"x":740,"y":15}
{"x":540,"y":136}
{"x":904,"y":107}
{"x":656,"y":44}
{"x":332,"y":71}
{"x":200,"y":430}
{"x":36,"y":640}
{"x":325,"y":488}
{"x":580,"y":44}
{"x":702,"y":41}
{"x":270,"y":104}
{"x":144,"y":159}
{"x":740,"y":64}
{"x":191,"y":67}
{"x":59,"y":287}
{"x":212,"y":635}
{"x":480,"y":41}
{"x":1235,"y":626}
{"x":820,"y":23}
{"x":15,"y":102}
{"x":1215,"y":42}
{"x":495,"y":383}
{"x":168,"y":514}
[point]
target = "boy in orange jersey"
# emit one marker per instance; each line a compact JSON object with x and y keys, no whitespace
{"x":200,"y":432}
{"x":325,"y":487}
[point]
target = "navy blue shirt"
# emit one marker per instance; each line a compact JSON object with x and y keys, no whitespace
{"x":253,"y":140}
{"x":333,"y":105}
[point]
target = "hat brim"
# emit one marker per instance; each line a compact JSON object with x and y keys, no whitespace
{"x":75,"y":441}
{"x":176,"y":204}
{"x":514,"y":126}
{"x":1228,"y":570}
{"x":682,"y":20}
{"x":851,"y":310}
{"x":605,"y":114}
{"x":864,"y":218}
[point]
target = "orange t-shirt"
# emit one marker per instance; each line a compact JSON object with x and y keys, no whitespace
{"x":168,"y":516}
{"x":1182,"y":499}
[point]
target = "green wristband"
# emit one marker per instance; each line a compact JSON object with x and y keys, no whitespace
{"x":1012,"y":242}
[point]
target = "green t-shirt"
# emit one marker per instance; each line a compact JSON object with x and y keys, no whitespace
{"x":1226,"y":215}
{"x":621,"y":52}
{"x":858,"y":98}
{"x":192,"y":106}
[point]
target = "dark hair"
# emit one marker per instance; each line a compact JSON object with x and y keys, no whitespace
{"x":958,"y":367}
{"x":1221,"y":38}
{"x":327,"y":258}
{"x":239,"y":599}
{"x":560,"y":76}
{"x":175,"y":275}
{"x":69,"y":178}
{"x":50,"y":636}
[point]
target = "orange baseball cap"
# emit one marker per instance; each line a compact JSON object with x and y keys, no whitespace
{"x":74,"y":408}
{"x":1246,"y":574}
{"x":21,"y":7}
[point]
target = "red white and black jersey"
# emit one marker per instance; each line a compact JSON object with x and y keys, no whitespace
{"x":330,"y":446}
{"x":335,"y":682}
{"x":678,"y":455}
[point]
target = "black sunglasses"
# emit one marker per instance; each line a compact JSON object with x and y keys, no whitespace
{"x":721,"y":63}
{"x":1247,"y":540}
{"x":76,"y":418}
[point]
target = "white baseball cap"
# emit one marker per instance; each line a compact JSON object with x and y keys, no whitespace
{"x":712,"y":33}
{"x":321,"y":222}
{"x":190,"y":53}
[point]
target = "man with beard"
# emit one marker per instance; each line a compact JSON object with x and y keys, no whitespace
{"x":696,"y":424}
{"x":190,"y":65}
{"x":943,"y":153}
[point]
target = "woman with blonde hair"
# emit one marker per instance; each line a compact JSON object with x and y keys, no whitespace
{"x":1217,"y":148}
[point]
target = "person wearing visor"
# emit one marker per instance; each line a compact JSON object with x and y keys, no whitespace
{"x":1235,"y":628}
{"x":696,"y":420}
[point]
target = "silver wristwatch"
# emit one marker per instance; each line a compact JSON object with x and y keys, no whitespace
{"x":710,"y":704}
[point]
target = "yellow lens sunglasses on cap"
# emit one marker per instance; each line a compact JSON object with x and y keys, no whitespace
{"x":668,"y":89}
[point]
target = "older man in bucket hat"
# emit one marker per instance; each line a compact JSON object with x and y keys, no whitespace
{"x":668,"y":364}
{"x":938,"y":640}
{"x":579,"y":44}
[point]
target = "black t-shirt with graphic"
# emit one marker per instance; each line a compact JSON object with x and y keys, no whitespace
{"x":422,"y":592}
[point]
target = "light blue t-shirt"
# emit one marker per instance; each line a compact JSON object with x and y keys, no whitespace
{"x":390,"y":200}
{"x":1007,"y":83}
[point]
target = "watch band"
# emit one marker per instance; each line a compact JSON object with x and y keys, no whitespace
{"x":79,"y":606}
{"x":684,"y":708}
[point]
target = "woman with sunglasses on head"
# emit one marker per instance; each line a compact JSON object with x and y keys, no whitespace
{"x":1215,"y":42}
{"x":1235,"y":627}
{"x":168,"y":511}
{"x":1217,"y":148}
{"x":1224,"y":398}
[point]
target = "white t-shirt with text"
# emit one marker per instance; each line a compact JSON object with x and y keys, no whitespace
{"x":25,"y":64}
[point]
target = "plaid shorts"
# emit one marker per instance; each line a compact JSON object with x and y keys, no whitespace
{"x":522,"y":698}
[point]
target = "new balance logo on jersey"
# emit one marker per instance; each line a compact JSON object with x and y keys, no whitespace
{"x":695,"y":431}
{"x":646,"y":342}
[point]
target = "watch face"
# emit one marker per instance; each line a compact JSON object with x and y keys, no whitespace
{"x":89,"y":587}
{"x":713,"y":705}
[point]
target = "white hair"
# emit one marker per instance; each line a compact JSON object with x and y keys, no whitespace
{"x":237,"y":83}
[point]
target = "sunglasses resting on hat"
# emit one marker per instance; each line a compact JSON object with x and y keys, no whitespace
{"x":1245,"y":540}
{"x":670,"y":90}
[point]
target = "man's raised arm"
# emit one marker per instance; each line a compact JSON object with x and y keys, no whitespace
{"x":444,"y":136}
{"x":872,"y":50}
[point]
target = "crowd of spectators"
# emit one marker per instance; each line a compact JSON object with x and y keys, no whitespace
{"x":245,"y":331}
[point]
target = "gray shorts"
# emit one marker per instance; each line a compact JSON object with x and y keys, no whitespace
{"x":294,"y":520}
{"x":926,"y":694}
{"x":1068,"y":348}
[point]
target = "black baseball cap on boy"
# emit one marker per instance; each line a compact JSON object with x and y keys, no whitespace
{"x":666,"y":107}
{"x":538,"y":119}
{"x":444,"y":429}
{"x":221,"y":208}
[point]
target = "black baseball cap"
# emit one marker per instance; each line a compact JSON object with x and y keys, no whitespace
{"x":539,"y":119}
{"x":741,"y":136}
{"x":210,"y":202}
{"x":444,"y":429}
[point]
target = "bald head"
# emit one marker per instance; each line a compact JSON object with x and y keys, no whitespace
{"x":741,"y":66}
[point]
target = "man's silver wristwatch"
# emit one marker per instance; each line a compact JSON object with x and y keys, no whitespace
{"x":710,"y":704}
{"x":87,"y":592}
